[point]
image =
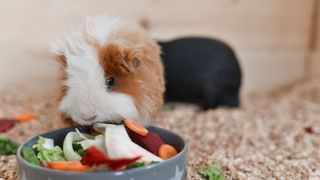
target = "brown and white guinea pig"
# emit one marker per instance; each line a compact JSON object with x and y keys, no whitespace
{"x":111,"y":70}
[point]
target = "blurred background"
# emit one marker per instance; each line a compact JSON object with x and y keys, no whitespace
{"x":276,"y":41}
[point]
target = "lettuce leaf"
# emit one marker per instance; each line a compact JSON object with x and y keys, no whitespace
{"x":48,"y":154}
{"x":212,"y":172}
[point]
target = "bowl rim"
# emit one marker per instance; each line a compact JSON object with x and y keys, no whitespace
{"x":184,"y":151}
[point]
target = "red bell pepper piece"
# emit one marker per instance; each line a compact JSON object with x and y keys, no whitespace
{"x":309,"y":130}
{"x":6,"y":124}
{"x":93,"y":156}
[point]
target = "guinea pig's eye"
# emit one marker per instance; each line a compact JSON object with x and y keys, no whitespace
{"x":110,"y":82}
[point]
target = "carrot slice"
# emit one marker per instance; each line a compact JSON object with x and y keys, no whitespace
{"x":135,"y":127}
{"x":166,"y":151}
{"x":26,"y":116}
{"x":75,"y":166}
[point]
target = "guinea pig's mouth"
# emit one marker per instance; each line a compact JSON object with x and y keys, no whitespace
{"x":81,"y":121}
{"x":95,"y":119}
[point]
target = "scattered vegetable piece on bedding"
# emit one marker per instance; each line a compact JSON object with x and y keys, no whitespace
{"x":212,"y":172}
{"x":7,"y":147}
{"x":26,"y":116}
{"x":74,"y":166}
{"x":309,"y":130}
{"x":135,"y":127}
{"x":6,"y":124}
{"x":30,"y":155}
{"x":166,"y":151}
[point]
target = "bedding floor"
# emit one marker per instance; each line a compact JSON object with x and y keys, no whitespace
{"x":273,"y":135}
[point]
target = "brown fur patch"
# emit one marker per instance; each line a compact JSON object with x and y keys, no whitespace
{"x":144,"y":83}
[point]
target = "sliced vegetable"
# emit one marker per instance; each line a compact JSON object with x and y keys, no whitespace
{"x":98,"y":142}
{"x":212,"y":172}
{"x":151,"y":141}
{"x":154,"y":162}
{"x":166,"y":151}
{"x":48,"y":143}
{"x":135,"y":127}
{"x":75,"y":166}
{"x":6,"y":124}
{"x":78,"y":148}
{"x":30,"y":155}
{"x":69,"y":140}
{"x":136,"y":165}
{"x":26,"y":116}
{"x":94,"y":157}
{"x":119,"y":145}
{"x":48,"y":154}
{"x":7,"y":146}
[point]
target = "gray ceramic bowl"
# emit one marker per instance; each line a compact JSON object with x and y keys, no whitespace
{"x":172,"y":169}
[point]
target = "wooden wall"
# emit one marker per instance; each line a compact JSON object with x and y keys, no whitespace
{"x":314,"y":57}
{"x":271,"y":37}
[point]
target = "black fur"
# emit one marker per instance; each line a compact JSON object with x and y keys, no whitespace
{"x":201,"y":70}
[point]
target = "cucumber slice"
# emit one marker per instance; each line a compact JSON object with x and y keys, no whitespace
{"x":30,"y":155}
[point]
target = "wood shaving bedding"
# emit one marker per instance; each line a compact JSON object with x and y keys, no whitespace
{"x":265,"y":138}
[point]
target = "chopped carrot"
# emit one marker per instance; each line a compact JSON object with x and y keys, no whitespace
{"x":166,"y":151}
{"x":135,"y":127}
{"x":74,"y":166}
{"x":26,"y":116}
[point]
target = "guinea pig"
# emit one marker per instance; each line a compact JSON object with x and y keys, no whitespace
{"x":111,"y":70}
{"x":201,"y":70}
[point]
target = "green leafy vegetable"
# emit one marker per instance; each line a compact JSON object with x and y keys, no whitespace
{"x":135,"y":165}
{"x":154,"y":162}
{"x":78,"y":148}
{"x":7,"y":146}
{"x":140,"y":164}
{"x":48,"y":154}
{"x":212,"y":172}
{"x":30,"y":155}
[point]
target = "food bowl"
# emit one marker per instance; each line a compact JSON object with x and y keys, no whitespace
{"x":174,"y":168}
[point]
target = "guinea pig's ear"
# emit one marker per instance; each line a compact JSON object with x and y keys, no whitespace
{"x":135,"y":63}
{"x":133,"y":59}
{"x":130,"y":65}
{"x":119,"y":58}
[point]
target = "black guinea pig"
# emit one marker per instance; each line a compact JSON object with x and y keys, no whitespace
{"x":201,"y":70}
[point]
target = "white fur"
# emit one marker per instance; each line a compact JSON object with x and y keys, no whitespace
{"x":87,"y":94}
